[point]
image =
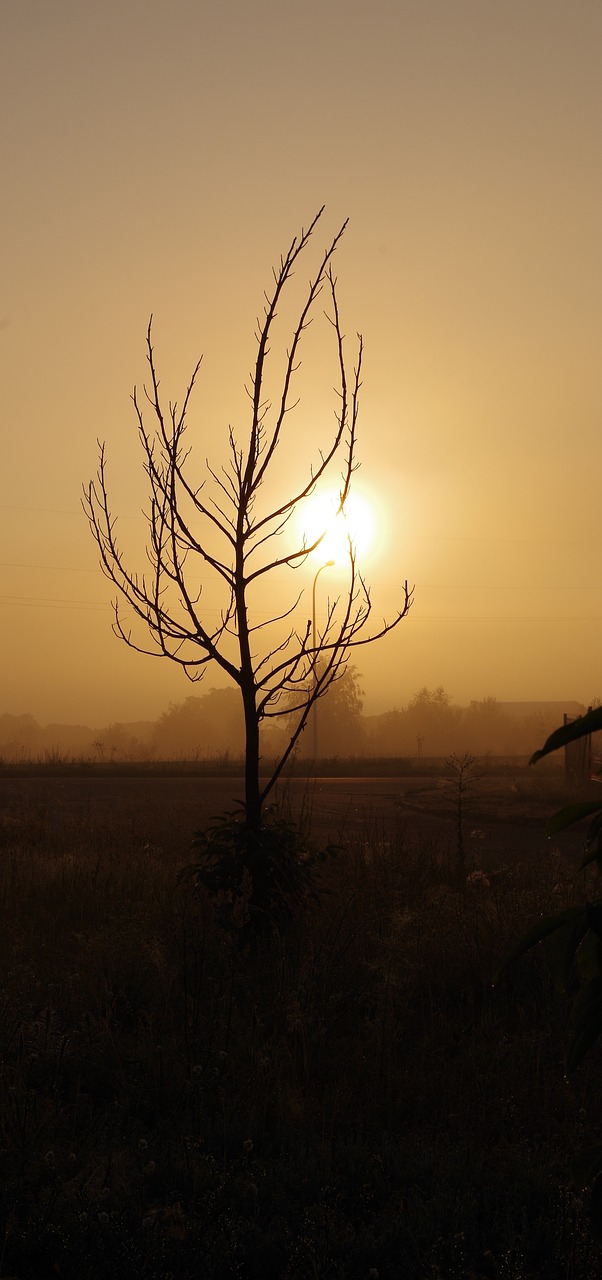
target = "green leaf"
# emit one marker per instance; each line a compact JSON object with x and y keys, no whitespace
{"x":585,"y":1021}
{"x":590,"y":957}
{"x":587,"y":996}
{"x":572,"y":813}
{"x":593,"y":843}
{"x":562,"y":945}
{"x":594,"y":827}
{"x":595,"y":1208}
{"x":589,"y":723}
{"x":580,"y":1044}
{"x":593,"y":912}
{"x":537,"y":934}
{"x":594,"y":854}
{"x":587,"y":1166}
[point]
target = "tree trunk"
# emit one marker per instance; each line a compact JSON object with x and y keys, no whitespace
{"x":255,"y":856}
{"x":252,"y":791}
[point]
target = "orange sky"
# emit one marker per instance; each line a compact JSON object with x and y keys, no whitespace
{"x":159,"y":157}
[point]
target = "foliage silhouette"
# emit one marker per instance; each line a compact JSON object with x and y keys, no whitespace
{"x":261,"y":882}
{"x":572,"y":942}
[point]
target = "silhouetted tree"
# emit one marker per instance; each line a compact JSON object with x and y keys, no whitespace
{"x":432,"y":716}
{"x":341,"y":723}
{"x":341,"y":728}
{"x":209,"y":725}
{"x":240,"y":542}
{"x":18,"y":734}
{"x":485,"y":727}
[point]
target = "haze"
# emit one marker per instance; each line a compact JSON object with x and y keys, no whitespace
{"x":158,"y":158}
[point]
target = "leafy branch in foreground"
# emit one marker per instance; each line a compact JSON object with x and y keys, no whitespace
{"x":572,"y":943}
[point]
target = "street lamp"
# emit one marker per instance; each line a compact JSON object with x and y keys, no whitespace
{"x":328,"y":565}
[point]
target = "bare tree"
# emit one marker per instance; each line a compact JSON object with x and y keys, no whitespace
{"x":240,"y":543}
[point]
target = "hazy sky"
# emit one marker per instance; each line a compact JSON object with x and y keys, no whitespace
{"x":159,"y":157}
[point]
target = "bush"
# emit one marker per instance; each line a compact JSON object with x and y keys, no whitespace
{"x":259,"y":881}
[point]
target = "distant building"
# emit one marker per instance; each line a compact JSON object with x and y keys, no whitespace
{"x":551,"y":710}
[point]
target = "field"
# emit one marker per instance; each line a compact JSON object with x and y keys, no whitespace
{"x":354,"y":1101}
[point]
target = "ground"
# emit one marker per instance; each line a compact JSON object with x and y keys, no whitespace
{"x":501,"y":814}
{"x":355,"y":1100}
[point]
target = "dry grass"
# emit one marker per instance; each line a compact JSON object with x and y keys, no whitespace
{"x":357,"y":1102}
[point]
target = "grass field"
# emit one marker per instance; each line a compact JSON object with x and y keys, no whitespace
{"x":356,"y":1102}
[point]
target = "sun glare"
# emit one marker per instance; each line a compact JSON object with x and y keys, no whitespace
{"x":356,"y":523}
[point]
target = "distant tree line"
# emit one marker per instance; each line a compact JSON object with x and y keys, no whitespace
{"x":432,"y":725}
{"x":210,"y":725}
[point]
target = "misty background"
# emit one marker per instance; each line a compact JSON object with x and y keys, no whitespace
{"x":209,"y":726}
{"x":158,"y":158}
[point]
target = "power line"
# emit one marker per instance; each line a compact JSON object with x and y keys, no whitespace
{"x":61,"y":511}
{"x":49,"y":600}
{"x":409,"y":536}
{"x":502,"y":617}
{"x":419,"y":586}
{"x":49,"y":511}
{"x":64,"y":568}
{"x":415,"y":616}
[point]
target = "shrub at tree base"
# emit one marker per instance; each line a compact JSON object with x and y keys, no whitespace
{"x":259,"y":880}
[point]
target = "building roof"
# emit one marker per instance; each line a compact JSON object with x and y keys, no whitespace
{"x":548,"y":709}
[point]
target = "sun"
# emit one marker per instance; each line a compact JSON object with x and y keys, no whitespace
{"x":356,"y":524}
